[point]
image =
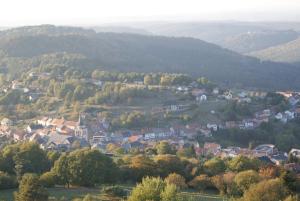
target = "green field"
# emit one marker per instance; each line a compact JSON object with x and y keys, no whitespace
{"x":72,"y":193}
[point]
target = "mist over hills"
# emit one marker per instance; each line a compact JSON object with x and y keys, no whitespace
{"x":84,"y":48}
{"x":242,"y":37}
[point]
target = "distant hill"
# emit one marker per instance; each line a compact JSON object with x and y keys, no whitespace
{"x":132,"y":52}
{"x":242,"y":37}
{"x":253,"y":41}
{"x":120,"y":29}
{"x":287,"y":52}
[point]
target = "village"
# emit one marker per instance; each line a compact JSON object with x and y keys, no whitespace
{"x":60,"y":134}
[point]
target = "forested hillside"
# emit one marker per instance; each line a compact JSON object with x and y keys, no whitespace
{"x":254,"y":41}
{"x":74,"y":47}
{"x":287,"y":52}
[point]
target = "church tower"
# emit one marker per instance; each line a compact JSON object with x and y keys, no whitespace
{"x":81,"y":130}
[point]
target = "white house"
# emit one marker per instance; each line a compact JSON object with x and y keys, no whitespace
{"x":295,"y":152}
{"x":279,"y":116}
{"x":214,"y":127}
{"x":6,"y":122}
{"x":201,"y":98}
{"x":215,"y":91}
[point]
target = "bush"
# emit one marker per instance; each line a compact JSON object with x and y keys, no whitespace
{"x":245,"y":179}
{"x":117,"y":191}
{"x":7,"y":181}
{"x":201,"y":182}
{"x":177,"y":180}
{"x":48,"y":179}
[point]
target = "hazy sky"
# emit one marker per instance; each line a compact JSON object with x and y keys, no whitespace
{"x":93,"y":12}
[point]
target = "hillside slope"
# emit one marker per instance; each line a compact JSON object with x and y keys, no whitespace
{"x":130,"y":52}
{"x":288,"y":52}
{"x":254,"y":41}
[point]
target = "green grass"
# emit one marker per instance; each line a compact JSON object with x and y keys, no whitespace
{"x":72,"y":193}
{"x":58,"y":193}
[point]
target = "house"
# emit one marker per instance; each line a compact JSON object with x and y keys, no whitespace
{"x":176,"y":108}
{"x":211,"y":148}
{"x":244,"y":100}
{"x":182,"y":89}
{"x":45,"y":121}
{"x":198,"y":92}
{"x":33,"y":127}
{"x":18,"y":135}
{"x":293,"y":101}
{"x":295,"y":152}
{"x":230,"y":124}
{"x":213,"y":127}
{"x":135,"y":138}
{"x":6,"y":122}
{"x":265,"y":150}
{"x":33,"y":96}
{"x":215,"y":91}
{"x":228,"y":95}
{"x":205,"y":132}
{"x":279,"y":158}
{"x":57,"y":141}
{"x":201,"y":98}
{"x":289,"y":115}
{"x":248,"y":124}
{"x":243,"y":94}
{"x":16,"y":85}
{"x":279,"y":116}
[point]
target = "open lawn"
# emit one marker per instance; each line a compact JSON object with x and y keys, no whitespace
{"x":72,"y":193}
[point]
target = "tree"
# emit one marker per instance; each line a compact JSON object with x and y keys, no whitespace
{"x":292,"y":198}
{"x":7,"y":181}
{"x":200,"y":182}
{"x":85,"y":167}
{"x":60,"y":169}
{"x":167,"y":164}
{"x":53,"y":156}
{"x":48,"y":179}
{"x":177,"y":180}
{"x":30,"y":189}
{"x":245,"y":179}
{"x":141,"y":166}
{"x":241,"y":163}
{"x":163,"y":147}
{"x":154,"y":189}
{"x":267,"y":190}
{"x":188,"y":152}
{"x":169,"y":193}
{"x":290,"y":180}
{"x":269,"y":171}
{"x":30,"y":159}
{"x":214,"y":166}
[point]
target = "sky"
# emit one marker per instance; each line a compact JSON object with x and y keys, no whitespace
{"x":96,"y":12}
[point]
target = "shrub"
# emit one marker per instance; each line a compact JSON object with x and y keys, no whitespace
{"x":7,"y":181}
{"x":177,"y":180}
{"x":201,"y":182}
{"x":48,"y":179}
{"x":117,"y":191}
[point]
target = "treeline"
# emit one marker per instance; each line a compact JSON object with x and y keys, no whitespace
{"x":285,"y":136}
{"x":233,"y":177}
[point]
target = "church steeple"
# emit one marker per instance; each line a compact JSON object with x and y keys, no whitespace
{"x":80,"y":121}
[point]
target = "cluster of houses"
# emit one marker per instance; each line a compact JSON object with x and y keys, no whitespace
{"x":267,"y":153}
{"x":50,"y":133}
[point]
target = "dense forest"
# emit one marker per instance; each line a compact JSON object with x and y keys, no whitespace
{"x":29,"y":47}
